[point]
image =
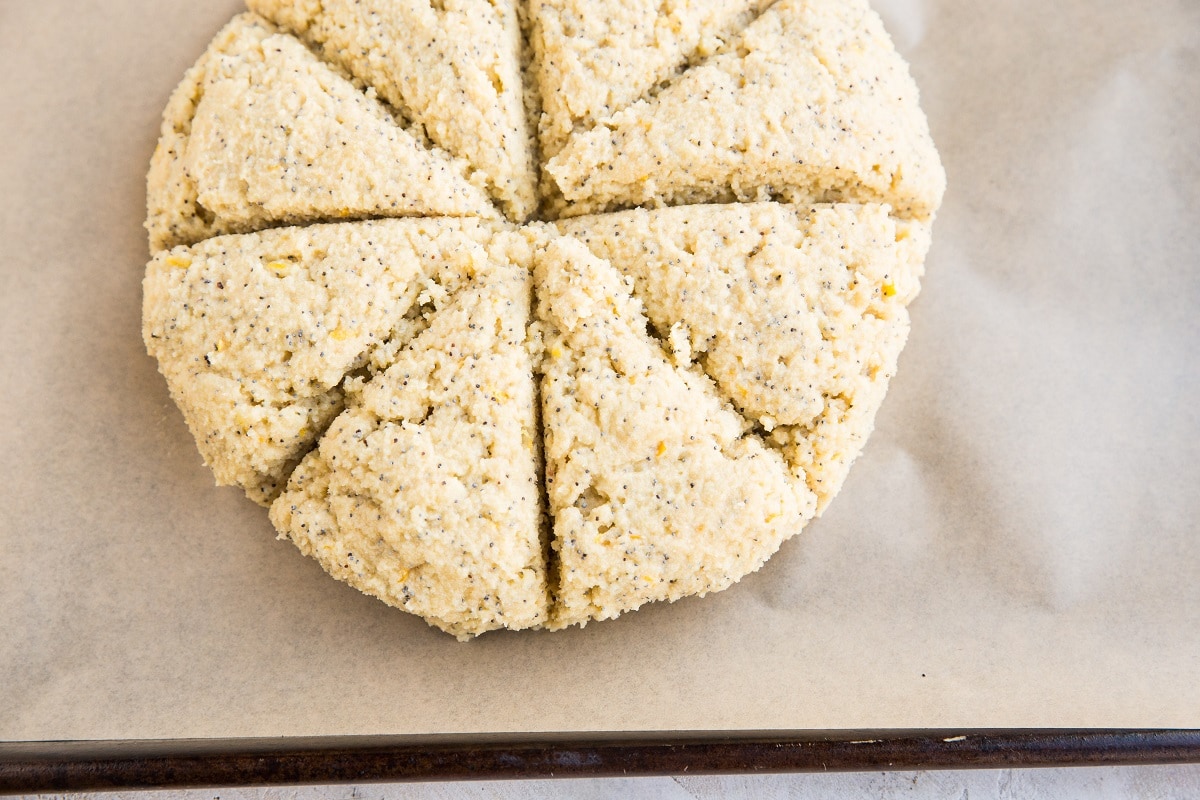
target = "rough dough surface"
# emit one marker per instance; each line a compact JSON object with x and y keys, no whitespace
{"x":453,"y":68}
{"x":254,"y":333}
{"x":809,"y":103}
{"x":656,"y":370}
{"x":594,"y":58}
{"x":263,"y":133}
{"x":424,"y":492}
{"x":797,"y":313}
{"x":655,"y":490}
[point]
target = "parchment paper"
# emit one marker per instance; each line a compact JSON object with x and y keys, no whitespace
{"x":1017,"y":547}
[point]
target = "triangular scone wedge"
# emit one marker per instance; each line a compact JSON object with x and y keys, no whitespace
{"x":453,"y":68}
{"x":591,"y":59}
{"x":262,"y":133}
{"x":655,"y":491}
{"x":424,"y":492}
{"x":809,"y":103}
{"x":797,"y":313}
{"x":255,"y":332}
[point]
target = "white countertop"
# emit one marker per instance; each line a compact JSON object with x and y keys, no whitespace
{"x":1093,"y":783}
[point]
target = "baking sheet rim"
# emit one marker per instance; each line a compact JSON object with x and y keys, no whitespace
{"x":177,"y":763}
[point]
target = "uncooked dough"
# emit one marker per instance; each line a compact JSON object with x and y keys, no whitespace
{"x":499,"y":390}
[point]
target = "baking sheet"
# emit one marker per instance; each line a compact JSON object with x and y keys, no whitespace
{"x":1017,"y":547}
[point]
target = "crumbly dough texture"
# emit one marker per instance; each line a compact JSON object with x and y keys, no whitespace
{"x":503,"y":390}
{"x":797,"y":313}
{"x":835,"y":117}
{"x":424,"y":492}
{"x":255,"y":333}
{"x":594,"y":58}
{"x":262,"y":133}
{"x":453,"y":68}
{"x":655,"y":489}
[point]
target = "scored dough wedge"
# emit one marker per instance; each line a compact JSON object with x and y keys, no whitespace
{"x":797,"y":313}
{"x":809,"y":103}
{"x":453,"y":68}
{"x":255,"y":332}
{"x":424,"y":492}
{"x":594,"y":58}
{"x":262,"y":133}
{"x":655,"y":491}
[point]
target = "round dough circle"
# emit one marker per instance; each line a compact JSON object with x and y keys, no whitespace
{"x":503,"y":390}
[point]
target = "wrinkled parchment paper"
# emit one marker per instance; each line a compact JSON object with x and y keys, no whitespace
{"x":1019,"y":546}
